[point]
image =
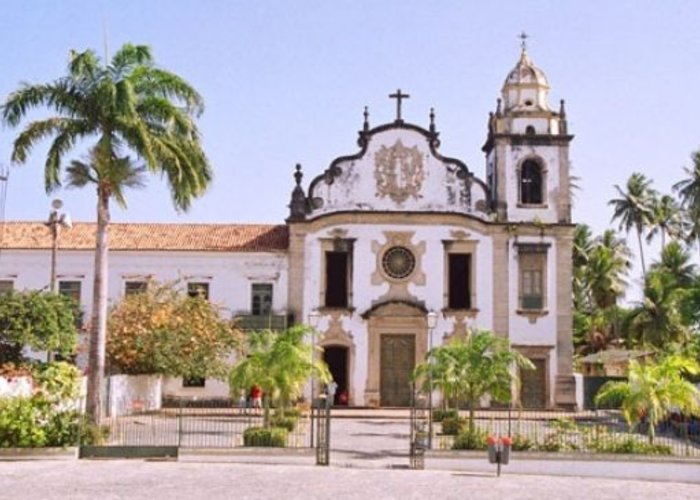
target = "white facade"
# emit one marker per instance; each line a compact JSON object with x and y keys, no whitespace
{"x":380,"y":238}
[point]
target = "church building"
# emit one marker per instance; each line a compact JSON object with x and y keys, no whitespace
{"x":385,"y":238}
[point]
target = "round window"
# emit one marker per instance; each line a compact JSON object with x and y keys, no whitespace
{"x":398,"y":262}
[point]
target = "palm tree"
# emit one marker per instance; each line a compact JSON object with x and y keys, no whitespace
{"x":657,"y":319}
{"x":675,"y":261}
{"x":608,"y":265}
{"x":583,"y":243}
{"x":689,"y":192}
{"x":634,"y":208}
{"x":665,"y":220}
{"x":653,"y":390}
{"x":128,"y":104}
{"x":466,"y":369}
{"x":279,"y":363}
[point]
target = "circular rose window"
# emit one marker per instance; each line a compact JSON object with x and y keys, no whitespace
{"x":398,"y":262}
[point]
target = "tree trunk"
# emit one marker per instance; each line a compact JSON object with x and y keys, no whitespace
{"x":641,"y":253}
{"x":98,"y":325}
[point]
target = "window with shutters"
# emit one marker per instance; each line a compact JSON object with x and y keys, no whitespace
{"x":70,"y":289}
{"x":261,"y":299}
{"x":532,"y":263}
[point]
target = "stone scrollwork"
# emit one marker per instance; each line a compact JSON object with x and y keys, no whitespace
{"x":399,"y":172}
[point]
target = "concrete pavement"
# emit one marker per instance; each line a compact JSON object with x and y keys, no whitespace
{"x":136,"y":479}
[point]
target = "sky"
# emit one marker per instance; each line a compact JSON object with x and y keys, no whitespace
{"x":285,"y":82}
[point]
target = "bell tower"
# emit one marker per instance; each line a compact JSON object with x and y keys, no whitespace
{"x":527,"y":149}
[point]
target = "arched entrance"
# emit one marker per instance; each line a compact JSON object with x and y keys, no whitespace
{"x":336,"y":357}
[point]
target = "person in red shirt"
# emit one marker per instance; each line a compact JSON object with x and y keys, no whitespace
{"x":256,"y":397}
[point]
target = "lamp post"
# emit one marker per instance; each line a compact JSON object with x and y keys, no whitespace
{"x":57,"y":220}
{"x":432,"y":323}
{"x":314,"y":316}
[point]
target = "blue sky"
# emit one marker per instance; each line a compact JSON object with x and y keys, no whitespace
{"x":286,"y":82}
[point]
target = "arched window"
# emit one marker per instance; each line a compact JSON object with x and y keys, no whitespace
{"x":531,"y":185}
{"x":530,"y":130}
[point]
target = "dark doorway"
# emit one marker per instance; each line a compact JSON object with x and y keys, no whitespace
{"x":533,"y":385}
{"x":336,"y":357}
{"x":397,"y":360}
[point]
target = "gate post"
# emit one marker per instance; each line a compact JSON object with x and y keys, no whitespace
{"x":323,"y":425}
{"x":420,"y":427}
{"x":179,"y":424}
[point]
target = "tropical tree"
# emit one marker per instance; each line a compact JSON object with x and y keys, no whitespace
{"x":666,"y":219}
{"x":676,"y":262}
{"x":163,"y":330}
{"x":280,"y":363}
{"x":42,"y":321}
{"x":466,"y":369}
{"x":126,"y":105}
{"x":657,"y":319}
{"x":688,"y":190}
{"x":653,"y":390}
{"x":607,"y":268}
{"x":634,"y":208}
{"x":600,"y":267}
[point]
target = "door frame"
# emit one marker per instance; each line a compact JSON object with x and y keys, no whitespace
{"x":397,"y":318}
{"x":541,"y":353}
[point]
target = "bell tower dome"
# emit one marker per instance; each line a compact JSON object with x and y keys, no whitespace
{"x":525,"y":89}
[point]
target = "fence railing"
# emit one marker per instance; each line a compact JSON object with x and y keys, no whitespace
{"x":593,"y":431}
{"x":194,"y":424}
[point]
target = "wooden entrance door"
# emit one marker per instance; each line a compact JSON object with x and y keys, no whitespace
{"x":533,"y":392}
{"x":397,"y":360}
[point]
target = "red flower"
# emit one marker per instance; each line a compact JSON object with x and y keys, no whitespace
{"x":491,"y":440}
{"x":507,"y":441}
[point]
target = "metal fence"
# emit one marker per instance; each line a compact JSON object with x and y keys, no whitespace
{"x":593,"y":431}
{"x":193,"y":424}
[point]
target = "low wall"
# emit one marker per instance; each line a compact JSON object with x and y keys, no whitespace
{"x":173,"y":387}
{"x":16,"y":387}
{"x":133,"y":394}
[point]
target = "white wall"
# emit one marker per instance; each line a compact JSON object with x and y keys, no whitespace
{"x":213,"y":389}
{"x":133,"y":393}
{"x":364,"y":292}
{"x":550,"y":156}
{"x":356,"y":187}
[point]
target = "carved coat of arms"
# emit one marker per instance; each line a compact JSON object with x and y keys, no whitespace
{"x":399,"y":172}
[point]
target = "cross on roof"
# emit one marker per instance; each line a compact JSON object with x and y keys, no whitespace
{"x":523,"y":37}
{"x":398,"y":96}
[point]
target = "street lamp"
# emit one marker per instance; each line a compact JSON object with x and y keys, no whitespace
{"x":314,"y":316}
{"x":57,"y":220}
{"x":432,"y":323}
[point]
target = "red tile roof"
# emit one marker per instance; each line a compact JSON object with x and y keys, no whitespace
{"x":194,"y":237}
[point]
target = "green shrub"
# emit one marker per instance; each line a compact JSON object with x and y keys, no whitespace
{"x":466,"y":440}
{"x":91,"y":434}
{"x":631,"y":444}
{"x":441,"y":414}
{"x":522,"y":443}
{"x":34,"y":422}
{"x":453,"y":425}
{"x":291,"y":412}
{"x":265,"y":436}
{"x":58,"y":381}
{"x":288,"y":422}
{"x":21,"y":423}
{"x":63,"y":428}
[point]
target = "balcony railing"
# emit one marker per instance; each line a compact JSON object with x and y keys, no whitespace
{"x":269,"y":322}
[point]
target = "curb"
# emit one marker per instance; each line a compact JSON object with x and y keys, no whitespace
{"x":14,"y":454}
